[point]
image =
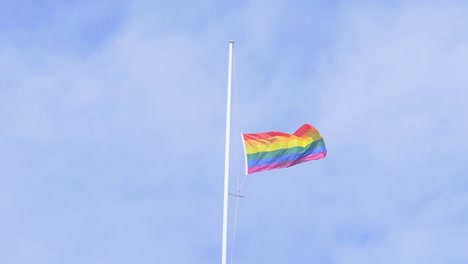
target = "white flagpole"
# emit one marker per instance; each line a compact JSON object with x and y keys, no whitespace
{"x":226,"y":159}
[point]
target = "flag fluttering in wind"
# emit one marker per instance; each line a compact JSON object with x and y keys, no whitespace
{"x":274,"y":150}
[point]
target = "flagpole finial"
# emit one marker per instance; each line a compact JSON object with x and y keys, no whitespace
{"x":231,"y":41}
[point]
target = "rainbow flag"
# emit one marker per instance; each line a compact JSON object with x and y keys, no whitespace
{"x":275,"y":150}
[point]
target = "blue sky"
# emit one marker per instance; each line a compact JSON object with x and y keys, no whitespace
{"x":112,"y":121}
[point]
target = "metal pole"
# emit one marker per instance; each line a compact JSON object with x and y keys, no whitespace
{"x":226,"y":160}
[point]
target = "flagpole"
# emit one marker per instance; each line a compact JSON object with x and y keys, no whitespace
{"x":226,"y":156}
